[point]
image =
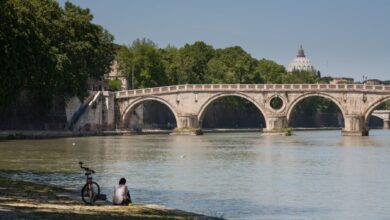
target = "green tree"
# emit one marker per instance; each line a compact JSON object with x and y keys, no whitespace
{"x":268,"y":71}
{"x":49,"y":51}
{"x":27,"y":59}
{"x":114,"y":85}
{"x":193,"y":62}
{"x":13,"y":60}
{"x":125,"y":62}
{"x":386,"y":82}
{"x":297,"y":77}
{"x":325,"y":80}
{"x":384,"y":106}
{"x":142,"y":62}
{"x":231,"y":65}
{"x":172,"y":66}
{"x":85,"y":50}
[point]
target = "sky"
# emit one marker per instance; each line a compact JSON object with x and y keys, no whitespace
{"x":342,"y":38}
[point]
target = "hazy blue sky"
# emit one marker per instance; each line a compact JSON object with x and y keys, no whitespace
{"x":348,"y":38}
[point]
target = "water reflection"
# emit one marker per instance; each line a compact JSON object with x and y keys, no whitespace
{"x":351,"y":141}
{"x":313,"y":175}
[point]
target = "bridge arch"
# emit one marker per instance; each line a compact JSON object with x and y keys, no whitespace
{"x":134,"y":104}
{"x":372,"y":107}
{"x":209,"y":101}
{"x":375,"y":121}
{"x":293,"y":104}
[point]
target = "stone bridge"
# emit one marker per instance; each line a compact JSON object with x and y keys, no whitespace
{"x":276,"y":102}
{"x":384,"y":115}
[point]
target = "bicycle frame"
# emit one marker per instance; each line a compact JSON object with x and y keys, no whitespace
{"x":89,"y":180}
{"x":88,"y":189}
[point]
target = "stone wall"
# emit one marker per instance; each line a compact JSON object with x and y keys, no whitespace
{"x":26,"y":113}
{"x":98,"y":115}
{"x":72,"y":105}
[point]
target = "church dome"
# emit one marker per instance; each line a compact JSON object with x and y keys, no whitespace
{"x":301,"y":63}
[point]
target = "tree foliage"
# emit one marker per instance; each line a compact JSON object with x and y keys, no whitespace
{"x":383,"y":106}
{"x":142,"y":62}
{"x":231,"y":65}
{"x":114,"y":85}
{"x":172,"y":65}
{"x":193,"y":61}
{"x":268,"y":71}
{"x":200,"y":63}
{"x":297,"y":77}
{"x":49,"y":51}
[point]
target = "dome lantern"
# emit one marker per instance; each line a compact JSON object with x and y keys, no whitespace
{"x":301,"y":52}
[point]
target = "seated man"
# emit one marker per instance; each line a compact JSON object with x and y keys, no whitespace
{"x":121,"y":193}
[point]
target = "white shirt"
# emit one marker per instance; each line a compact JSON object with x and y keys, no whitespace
{"x":120,"y":193}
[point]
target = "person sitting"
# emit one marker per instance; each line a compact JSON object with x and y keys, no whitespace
{"x":121,"y":193}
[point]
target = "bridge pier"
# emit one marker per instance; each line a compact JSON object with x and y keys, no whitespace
{"x":386,"y":124}
{"x":354,"y":125}
{"x":187,"y":125}
{"x":276,"y":125}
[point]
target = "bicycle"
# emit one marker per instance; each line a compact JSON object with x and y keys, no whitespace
{"x":91,"y":190}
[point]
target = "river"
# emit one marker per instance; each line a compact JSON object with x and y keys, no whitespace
{"x":310,"y":175}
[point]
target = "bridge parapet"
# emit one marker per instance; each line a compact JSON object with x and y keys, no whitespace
{"x":382,"y":112}
{"x":384,"y":115}
{"x":253,"y":87}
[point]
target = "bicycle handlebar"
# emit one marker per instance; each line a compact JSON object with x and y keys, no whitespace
{"x":85,"y":168}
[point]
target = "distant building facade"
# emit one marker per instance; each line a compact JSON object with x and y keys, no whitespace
{"x":372,"y":82}
{"x":115,"y":74}
{"x":301,"y":63}
{"x":97,"y":84}
{"x":102,"y":84}
{"x":342,"y":80}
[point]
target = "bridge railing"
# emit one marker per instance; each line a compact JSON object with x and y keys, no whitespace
{"x":253,"y":87}
{"x":381,"y":111}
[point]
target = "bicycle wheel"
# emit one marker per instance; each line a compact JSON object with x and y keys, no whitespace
{"x":90,"y":193}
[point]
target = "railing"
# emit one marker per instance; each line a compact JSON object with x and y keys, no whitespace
{"x":253,"y":87}
{"x":87,"y":102}
{"x":381,"y":112}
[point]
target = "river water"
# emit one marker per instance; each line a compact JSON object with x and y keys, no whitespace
{"x":311,"y":175}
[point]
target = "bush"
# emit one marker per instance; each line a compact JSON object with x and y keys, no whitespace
{"x":114,"y":85}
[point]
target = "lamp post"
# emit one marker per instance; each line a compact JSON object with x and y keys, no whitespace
{"x":132,"y":77}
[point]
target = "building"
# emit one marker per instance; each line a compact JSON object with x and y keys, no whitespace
{"x":102,"y":84}
{"x":97,"y":84}
{"x":372,"y":82}
{"x":115,"y":74}
{"x":342,"y":80}
{"x":301,"y":63}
